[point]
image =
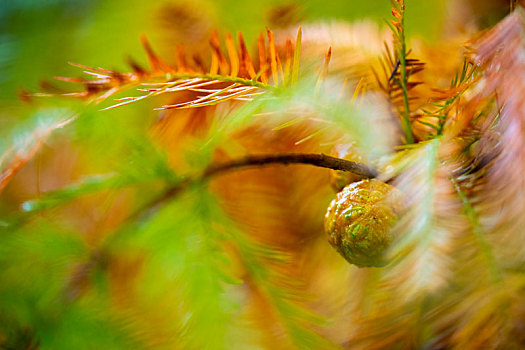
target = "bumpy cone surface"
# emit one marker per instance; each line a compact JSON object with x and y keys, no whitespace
{"x":358,"y":222}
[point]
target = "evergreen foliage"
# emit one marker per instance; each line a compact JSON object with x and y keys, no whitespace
{"x":196,"y":224}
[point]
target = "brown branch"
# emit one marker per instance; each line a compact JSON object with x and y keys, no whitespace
{"x":319,"y":160}
{"x":315,"y":159}
{"x":174,"y":189}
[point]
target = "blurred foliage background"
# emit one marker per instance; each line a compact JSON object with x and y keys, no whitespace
{"x":38,"y":37}
{"x":78,"y":277}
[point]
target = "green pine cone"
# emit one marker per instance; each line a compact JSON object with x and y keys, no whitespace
{"x":358,"y":222}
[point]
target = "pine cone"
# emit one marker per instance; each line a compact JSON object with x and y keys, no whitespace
{"x":359,"y":221}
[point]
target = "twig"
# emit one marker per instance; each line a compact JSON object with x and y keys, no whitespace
{"x":315,"y":159}
{"x":403,"y":81}
{"x":319,"y":160}
{"x":174,"y":189}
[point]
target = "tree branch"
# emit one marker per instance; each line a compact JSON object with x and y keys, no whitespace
{"x":319,"y":160}
{"x":315,"y":159}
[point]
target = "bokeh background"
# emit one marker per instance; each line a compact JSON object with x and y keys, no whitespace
{"x":39,"y":37}
{"x":37,"y":40}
